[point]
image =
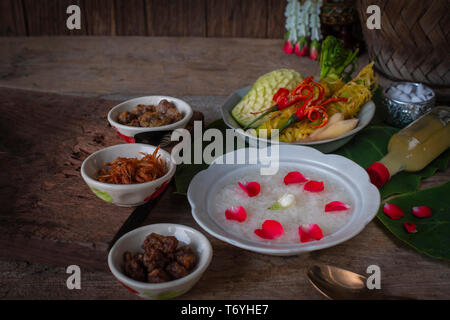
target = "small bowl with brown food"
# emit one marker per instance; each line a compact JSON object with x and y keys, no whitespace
{"x":160,"y":261}
{"x":128,"y":175}
{"x":150,"y":113}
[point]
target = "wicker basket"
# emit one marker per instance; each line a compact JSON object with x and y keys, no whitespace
{"x":413,"y":43}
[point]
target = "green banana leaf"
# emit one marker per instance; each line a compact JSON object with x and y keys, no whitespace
{"x":433,"y":233}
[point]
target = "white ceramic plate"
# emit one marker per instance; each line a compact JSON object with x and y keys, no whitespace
{"x":365,"y":115}
{"x":132,"y":242}
{"x":365,"y":196}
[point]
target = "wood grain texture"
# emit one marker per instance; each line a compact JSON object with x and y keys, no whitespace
{"x":49,"y":17}
{"x":176,"y":18}
{"x":235,"y":18}
{"x":100,"y":17}
{"x":42,"y":200}
{"x":12,"y":22}
{"x":130,"y":17}
{"x":189,"y":18}
{"x":130,"y":65}
{"x":48,"y":212}
{"x":276,"y":19}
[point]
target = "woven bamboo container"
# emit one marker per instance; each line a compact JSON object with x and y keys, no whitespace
{"x":413,"y":42}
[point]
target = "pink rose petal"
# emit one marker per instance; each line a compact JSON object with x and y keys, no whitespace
{"x":421,"y":212}
{"x":271,"y":229}
{"x":336,"y":206}
{"x":410,"y":227}
{"x":314,"y":186}
{"x":294,"y":177}
{"x":309,"y":232}
{"x":393,"y":211}
{"x":251,"y":188}
{"x":236,"y":213}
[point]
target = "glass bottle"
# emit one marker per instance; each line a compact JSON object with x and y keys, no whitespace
{"x":414,"y":147}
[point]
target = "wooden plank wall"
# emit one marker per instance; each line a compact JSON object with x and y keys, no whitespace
{"x":183,"y":18}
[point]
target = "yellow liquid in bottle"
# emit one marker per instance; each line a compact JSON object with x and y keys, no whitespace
{"x":415,"y":146}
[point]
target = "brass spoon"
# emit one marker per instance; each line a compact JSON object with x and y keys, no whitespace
{"x":341,"y":284}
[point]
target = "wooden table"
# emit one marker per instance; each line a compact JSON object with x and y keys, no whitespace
{"x":54,"y":95}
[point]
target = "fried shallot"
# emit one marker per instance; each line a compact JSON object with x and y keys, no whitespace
{"x":133,"y":170}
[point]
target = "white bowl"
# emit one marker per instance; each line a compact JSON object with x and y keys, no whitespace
{"x":128,"y":132}
{"x":365,"y":196}
{"x":125,"y":195}
{"x":132,"y":242}
{"x":365,"y":115}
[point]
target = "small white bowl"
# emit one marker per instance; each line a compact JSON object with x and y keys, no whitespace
{"x":128,"y":132}
{"x":125,"y":195}
{"x":132,"y":242}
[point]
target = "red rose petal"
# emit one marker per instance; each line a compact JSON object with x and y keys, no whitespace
{"x":251,"y":188}
{"x":236,"y":213}
{"x":336,"y":206}
{"x":421,"y":212}
{"x":392,"y":211}
{"x":314,"y":186}
{"x":410,"y":227}
{"x":271,"y":229}
{"x":309,"y":232}
{"x":294,"y":177}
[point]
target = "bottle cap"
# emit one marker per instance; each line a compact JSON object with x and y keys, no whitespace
{"x":378,"y":174}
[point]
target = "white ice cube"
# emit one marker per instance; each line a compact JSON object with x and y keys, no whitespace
{"x":407,"y":88}
{"x":405,"y":98}
{"x":400,"y":87}
{"x":415,"y":98}
{"x":422,"y":97}
{"x":394,"y":93}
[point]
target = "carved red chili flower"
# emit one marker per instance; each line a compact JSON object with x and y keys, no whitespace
{"x":252,"y":189}
{"x":294,"y":177}
{"x":393,"y":211}
{"x":336,"y":206}
{"x":421,"y":212}
{"x":271,"y":229}
{"x":309,"y":232}
{"x":314,"y":186}
{"x":410,"y":227}
{"x":236,"y":213}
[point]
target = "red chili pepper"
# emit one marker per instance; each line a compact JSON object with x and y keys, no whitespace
{"x":282,"y":92}
{"x":283,"y":99}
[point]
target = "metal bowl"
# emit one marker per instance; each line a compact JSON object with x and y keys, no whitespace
{"x":402,"y":113}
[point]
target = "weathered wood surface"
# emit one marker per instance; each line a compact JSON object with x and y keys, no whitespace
{"x":182,"y":18}
{"x":43,"y":196}
{"x":141,"y":65}
{"x":47,"y":211}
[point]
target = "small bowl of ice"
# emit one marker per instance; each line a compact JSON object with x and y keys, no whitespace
{"x":408,"y":101}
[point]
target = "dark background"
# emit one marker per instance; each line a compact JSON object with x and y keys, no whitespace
{"x":190,"y":18}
